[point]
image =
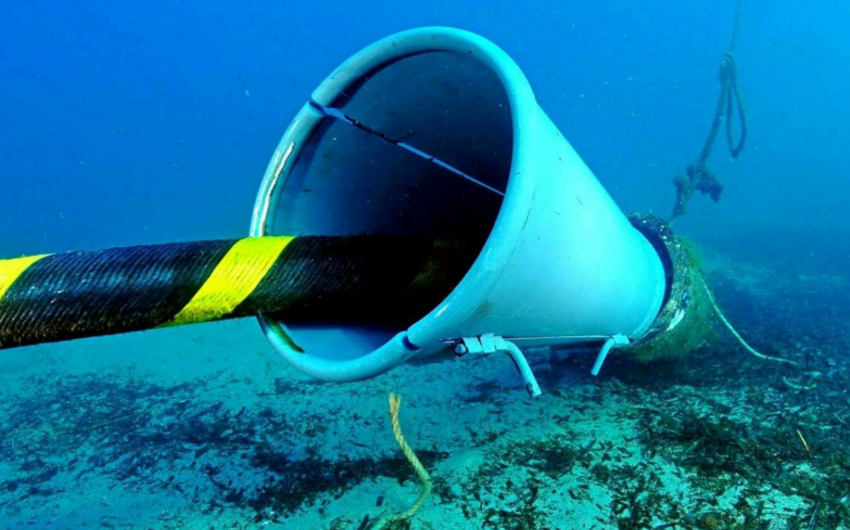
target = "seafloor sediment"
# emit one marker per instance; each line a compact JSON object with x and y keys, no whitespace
{"x":203,"y":427}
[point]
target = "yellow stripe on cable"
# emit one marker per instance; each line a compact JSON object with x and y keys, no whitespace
{"x":11,"y":270}
{"x":232,"y":280}
{"x":432,"y":266}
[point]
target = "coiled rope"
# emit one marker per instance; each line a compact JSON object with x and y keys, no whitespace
{"x":697,"y":175}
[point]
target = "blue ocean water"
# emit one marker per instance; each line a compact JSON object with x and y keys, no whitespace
{"x":152,"y":122}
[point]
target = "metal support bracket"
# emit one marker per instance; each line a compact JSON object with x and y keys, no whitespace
{"x":490,"y":343}
{"x":612,"y":342}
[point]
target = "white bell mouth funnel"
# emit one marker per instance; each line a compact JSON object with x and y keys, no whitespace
{"x":435,"y":131}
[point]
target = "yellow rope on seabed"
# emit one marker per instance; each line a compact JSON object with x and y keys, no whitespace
{"x":395,"y":405}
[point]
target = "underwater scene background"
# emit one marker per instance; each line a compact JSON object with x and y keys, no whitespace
{"x":152,"y":122}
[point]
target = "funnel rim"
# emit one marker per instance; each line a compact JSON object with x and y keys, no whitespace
{"x":483,"y":273}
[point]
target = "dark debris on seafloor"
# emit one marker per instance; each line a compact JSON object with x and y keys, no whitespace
{"x":727,"y":418}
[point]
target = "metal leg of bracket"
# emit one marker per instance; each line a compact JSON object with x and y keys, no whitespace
{"x":616,"y":340}
{"x":490,"y":343}
{"x":523,"y":368}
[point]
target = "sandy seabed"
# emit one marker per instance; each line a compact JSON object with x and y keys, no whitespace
{"x":204,"y":427}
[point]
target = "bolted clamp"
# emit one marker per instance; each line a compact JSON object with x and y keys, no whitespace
{"x":490,"y":343}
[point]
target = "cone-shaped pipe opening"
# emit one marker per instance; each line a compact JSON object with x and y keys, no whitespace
{"x":420,"y":145}
{"x":435,"y":132}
